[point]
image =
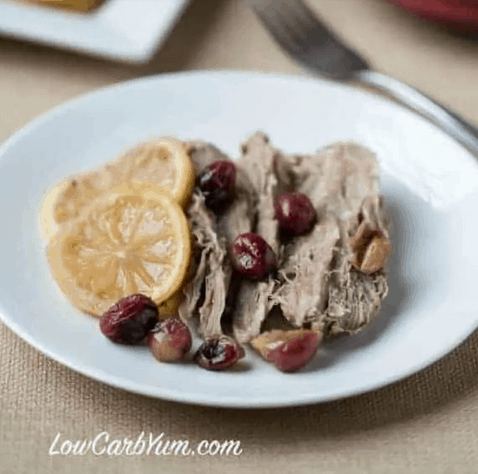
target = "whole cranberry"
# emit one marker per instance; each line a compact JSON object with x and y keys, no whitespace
{"x":217,"y":183}
{"x":295,"y":353}
{"x":252,"y":256}
{"x":294,"y":212}
{"x":218,"y":353}
{"x":170,"y":340}
{"x":130,"y":319}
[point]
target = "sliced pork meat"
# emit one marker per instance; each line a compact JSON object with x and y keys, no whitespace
{"x":353,"y":303}
{"x":355,"y":297}
{"x":240,"y":214}
{"x":211,"y":269}
{"x":258,"y":161}
{"x":253,"y":299}
{"x":239,"y":217}
{"x":321,"y":281}
{"x":206,"y":293}
{"x":203,"y":154}
{"x":303,"y":292}
{"x":319,"y":285}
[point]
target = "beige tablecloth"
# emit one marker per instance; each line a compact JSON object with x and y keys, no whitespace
{"x":425,"y":424}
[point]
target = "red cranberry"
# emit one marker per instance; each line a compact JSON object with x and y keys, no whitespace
{"x":170,"y":340}
{"x":218,"y":353}
{"x":130,"y":319}
{"x":252,"y":256}
{"x":295,"y":353}
{"x":295,"y":212}
{"x":217,"y":183}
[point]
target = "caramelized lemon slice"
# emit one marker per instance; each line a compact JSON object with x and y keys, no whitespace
{"x":79,"y":5}
{"x":65,"y":201}
{"x":125,"y":242}
{"x":163,"y":162}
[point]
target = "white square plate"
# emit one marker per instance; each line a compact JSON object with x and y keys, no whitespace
{"x":123,"y":30}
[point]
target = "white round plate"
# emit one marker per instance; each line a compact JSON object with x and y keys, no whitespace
{"x":430,"y":183}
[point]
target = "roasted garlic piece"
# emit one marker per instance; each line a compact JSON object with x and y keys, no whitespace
{"x":288,"y":350}
{"x":370,"y":249}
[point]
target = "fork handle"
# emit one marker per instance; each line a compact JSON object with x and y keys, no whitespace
{"x":458,"y":127}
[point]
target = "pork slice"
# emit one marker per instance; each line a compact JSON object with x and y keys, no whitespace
{"x":354,"y":303}
{"x":303,"y":292}
{"x":202,"y":154}
{"x":206,"y":293}
{"x":258,"y":161}
{"x":355,"y":298}
{"x":216,"y":286}
{"x":250,"y":309}
{"x":253,"y":299}
{"x":307,"y":260}
{"x":240,"y":215}
{"x":207,"y":252}
{"x":318,"y":283}
{"x":203,"y":230}
{"x":237,"y":218}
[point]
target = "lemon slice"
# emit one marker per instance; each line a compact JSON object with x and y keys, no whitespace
{"x":80,"y":5}
{"x":65,"y":201}
{"x":163,"y":162}
{"x":125,"y":242}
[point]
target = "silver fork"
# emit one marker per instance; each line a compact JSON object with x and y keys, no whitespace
{"x":298,"y":30}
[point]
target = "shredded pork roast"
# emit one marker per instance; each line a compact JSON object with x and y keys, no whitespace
{"x":316,"y":284}
{"x":253,"y":302}
{"x":206,"y":293}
